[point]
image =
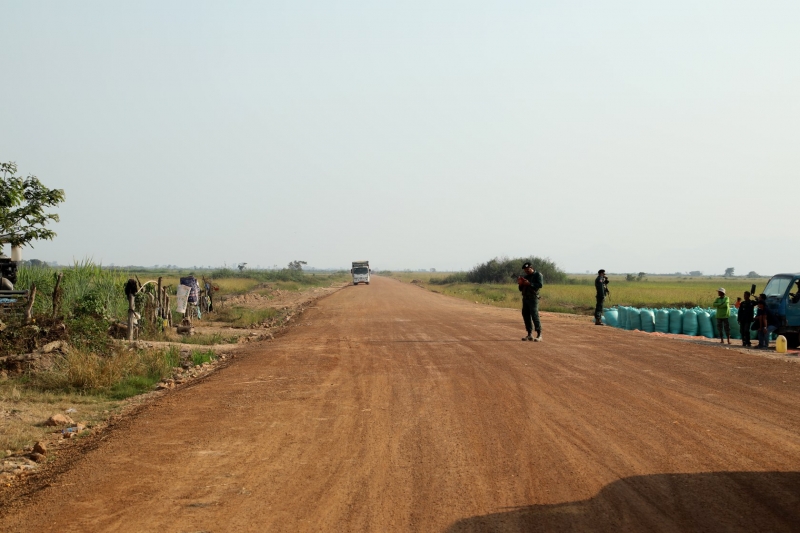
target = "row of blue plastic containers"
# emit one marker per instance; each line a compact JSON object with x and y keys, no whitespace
{"x":696,"y":321}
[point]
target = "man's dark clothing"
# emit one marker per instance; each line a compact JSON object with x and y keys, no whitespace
{"x":745,"y":319}
{"x":530,"y":314}
{"x":530,"y":302}
{"x":600,"y":288}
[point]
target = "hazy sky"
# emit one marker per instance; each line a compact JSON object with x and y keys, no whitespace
{"x":628,"y":135}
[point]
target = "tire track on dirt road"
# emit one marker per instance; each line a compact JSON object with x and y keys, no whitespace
{"x":390,"y":408}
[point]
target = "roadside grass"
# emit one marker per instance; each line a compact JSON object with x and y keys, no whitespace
{"x":244,"y":316}
{"x":123,"y":373}
{"x":97,"y":372}
{"x":24,"y":409}
{"x":235,"y":285}
{"x":579,"y":296}
{"x":200,"y":357}
{"x":209,"y":339}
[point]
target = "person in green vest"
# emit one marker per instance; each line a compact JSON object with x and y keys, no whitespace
{"x":723,"y":306}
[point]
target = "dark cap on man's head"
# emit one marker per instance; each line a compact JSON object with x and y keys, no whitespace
{"x":527,"y":265}
{"x":601,"y":271}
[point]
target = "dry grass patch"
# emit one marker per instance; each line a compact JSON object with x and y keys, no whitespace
{"x":23,"y":411}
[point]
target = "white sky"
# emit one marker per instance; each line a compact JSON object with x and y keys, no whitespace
{"x":628,"y":135}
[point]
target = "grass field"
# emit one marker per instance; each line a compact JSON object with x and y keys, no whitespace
{"x":579,"y":296}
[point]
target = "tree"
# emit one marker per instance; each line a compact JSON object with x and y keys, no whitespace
{"x":23,"y":202}
{"x":241,"y":266}
{"x":729,"y":272}
{"x":297,"y":265}
{"x":753,"y":274}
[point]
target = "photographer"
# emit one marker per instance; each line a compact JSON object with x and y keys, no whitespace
{"x":601,"y":287}
{"x":529,"y":286}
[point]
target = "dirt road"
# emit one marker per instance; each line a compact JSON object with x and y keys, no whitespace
{"x":389,"y":408}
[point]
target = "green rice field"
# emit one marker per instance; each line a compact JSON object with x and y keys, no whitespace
{"x":579,"y":296}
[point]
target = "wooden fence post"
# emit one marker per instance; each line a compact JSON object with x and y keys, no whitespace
{"x":131,"y":315}
{"x":29,"y":306}
{"x":57,"y":293}
{"x":160,"y":299}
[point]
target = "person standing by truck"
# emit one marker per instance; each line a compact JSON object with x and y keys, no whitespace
{"x":723,"y":306}
{"x":767,"y":322}
{"x":601,"y":288}
{"x":529,"y":286}
{"x":745,"y":318}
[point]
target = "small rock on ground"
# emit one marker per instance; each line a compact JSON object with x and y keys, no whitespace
{"x":59,"y":420}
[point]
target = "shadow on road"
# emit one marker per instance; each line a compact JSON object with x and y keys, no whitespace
{"x":710,"y":502}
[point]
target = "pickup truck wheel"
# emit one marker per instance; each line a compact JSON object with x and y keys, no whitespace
{"x":367,"y":282}
{"x":355,"y":283}
{"x":792,"y":340}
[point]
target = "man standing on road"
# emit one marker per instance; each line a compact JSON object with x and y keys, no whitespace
{"x":723,"y":306}
{"x":745,"y":318}
{"x":763,"y":319}
{"x":529,"y":286}
{"x":601,"y":287}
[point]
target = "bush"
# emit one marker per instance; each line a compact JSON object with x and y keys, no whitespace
{"x":89,"y":334}
{"x":505,"y":270}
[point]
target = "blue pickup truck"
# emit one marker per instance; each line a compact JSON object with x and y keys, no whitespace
{"x":783,"y":300}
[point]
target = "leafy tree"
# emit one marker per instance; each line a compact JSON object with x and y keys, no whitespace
{"x":729,"y":272}
{"x":504,"y":270}
{"x":241,"y":266}
{"x":753,"y":274}
{"x":23,"y":202}
{"x":297,"y":265}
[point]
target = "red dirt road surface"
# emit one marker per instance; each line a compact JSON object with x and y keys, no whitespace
{"x":390,"y":408}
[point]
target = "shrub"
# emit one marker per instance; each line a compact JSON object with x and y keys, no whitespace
{"x":504,"y":270}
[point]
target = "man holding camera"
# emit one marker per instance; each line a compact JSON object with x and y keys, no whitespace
{"x":601,"y":287}
{"x":529,"y":286}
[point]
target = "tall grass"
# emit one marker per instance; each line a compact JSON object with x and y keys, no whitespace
{"x":85,"y":286}
{"x":124,"y":373}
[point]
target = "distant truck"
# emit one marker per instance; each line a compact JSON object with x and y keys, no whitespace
{"x":783,"y":300}
{"x":360,"y":272}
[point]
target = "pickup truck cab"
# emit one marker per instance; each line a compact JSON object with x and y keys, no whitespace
{"x":783,"y":300}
